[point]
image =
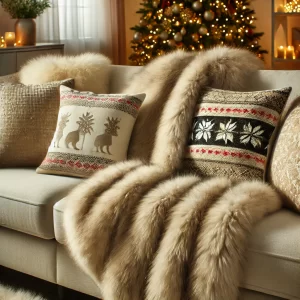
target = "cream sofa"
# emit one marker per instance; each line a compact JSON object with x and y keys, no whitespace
{"x":32,"y":237}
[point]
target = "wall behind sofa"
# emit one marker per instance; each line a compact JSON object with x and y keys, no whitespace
{"x":6,"y":23}
{"x":263,"y":14}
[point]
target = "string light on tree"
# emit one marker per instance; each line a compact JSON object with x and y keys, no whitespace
{"x":193,"y":25}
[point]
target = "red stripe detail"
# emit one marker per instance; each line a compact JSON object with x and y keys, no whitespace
{"x":226,"y":153}
{"x":74,"y":164}
{"x":255,"y":112}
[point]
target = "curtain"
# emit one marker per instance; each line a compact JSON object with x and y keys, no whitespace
{"x":84,"y":26}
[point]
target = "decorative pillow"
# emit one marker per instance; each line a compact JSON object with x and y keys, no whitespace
{"x":231,"y":132}
{"x":90,"y":71}
{"x":284,"y":168}
{"x":28,"y":116}
{"x":92,"y":132}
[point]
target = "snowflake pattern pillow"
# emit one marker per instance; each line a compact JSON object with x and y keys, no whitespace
{"x":231,"y":132}
{"x":92,"y":132}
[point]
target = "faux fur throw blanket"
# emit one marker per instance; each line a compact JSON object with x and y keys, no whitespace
{"x":143,"y":235}
{"x":142,"y":231}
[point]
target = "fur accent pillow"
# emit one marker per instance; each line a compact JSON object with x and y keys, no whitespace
{"x":284,"y":168}
{"x":28,"y":116}
{"x":92,"y":132}
{"x":232,"y":131}
{"x":90,"y":71}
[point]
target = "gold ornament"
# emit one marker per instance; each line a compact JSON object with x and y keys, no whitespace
{"x":209,"y":15}
{"x":195,"y":37}
{"x":172,"y":43}
{"x":176,"y":9}
{"x":168,"y":12}
{"x":137,"y":36}
{"x":149,"y":15}
{"x":197,"y":5}
{"x":143,"y":22}
{"x":164,"y":35}
{"x":186,"y":14}
{"x":167,"y":25}
{"x":183,"y":31}
{"x":155,"y":4}
{"x":203,"y":30}
{"x":178,"y":37}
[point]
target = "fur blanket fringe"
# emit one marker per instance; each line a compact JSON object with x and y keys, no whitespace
{"x":141,"y":230}
{"x":153,"y":237}
{"x":8,"y":293}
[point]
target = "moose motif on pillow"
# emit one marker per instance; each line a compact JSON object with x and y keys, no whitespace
{"x":92,"y":132}
{"x":105,"y":139}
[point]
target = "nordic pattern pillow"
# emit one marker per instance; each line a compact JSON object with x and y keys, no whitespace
{"x":231,"y":132}
{"x":28,"y":116}
{"x":93,"y":131}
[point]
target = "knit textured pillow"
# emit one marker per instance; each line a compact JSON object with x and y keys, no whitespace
{"x":28,"y":116}
{"x":231,"y":132}
{"x":284,"y":168}
{"x":92,"y":132}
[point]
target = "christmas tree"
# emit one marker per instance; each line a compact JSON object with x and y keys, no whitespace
{"x":193,"y":25}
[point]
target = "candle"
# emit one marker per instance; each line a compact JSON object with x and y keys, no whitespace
{"x":280,"y":52}
{"x":280,"y":8}
{"x":2,"y":42}
{"x":10,"y":39}
{"x":290,"y":52}
{"x":297,"y":52}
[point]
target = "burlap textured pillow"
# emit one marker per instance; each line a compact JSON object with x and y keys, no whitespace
{"x":28,"y":116}
{"x":231,"y":132}
{"x":92,"y":132}
{"x":284,"y":170}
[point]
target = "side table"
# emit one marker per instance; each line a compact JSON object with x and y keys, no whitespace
{"x":13,"y":58}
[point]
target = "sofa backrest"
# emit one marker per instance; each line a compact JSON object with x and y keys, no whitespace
{"x":275,"y":79}
{"x":120,"y":77}
{"x":261,"y":80}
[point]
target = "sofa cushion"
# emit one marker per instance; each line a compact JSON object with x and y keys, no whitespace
{"x":27,"y":199}
{"x":58,"y":217}
{"x":273,"y":258}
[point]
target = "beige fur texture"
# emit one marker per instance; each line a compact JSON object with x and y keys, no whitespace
{"x":169,"y":272}
{"x":8,"y":293}
{"x":151,"y":236}
{"x":143,"y":232}
{"x":220,"y":67}
{"x":156,"y":80}
{"x":90,"y":71}
{"x":173,"y":83}
{"x":222,"y":240}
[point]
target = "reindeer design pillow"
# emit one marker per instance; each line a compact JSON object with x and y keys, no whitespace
{"x":92,"y":132}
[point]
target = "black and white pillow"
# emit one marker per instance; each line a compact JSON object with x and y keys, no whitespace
{"x":232,"y":130}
